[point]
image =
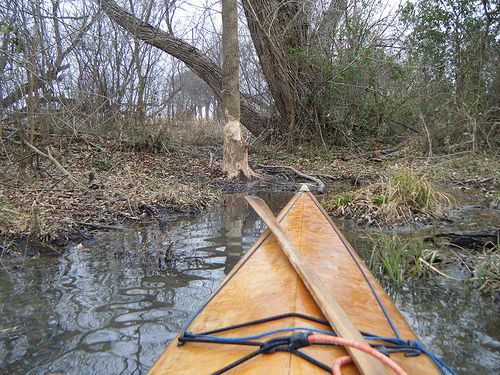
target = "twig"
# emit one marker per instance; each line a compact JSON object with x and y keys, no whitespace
{"x":61,"y":169}
{"x":438,"y":271}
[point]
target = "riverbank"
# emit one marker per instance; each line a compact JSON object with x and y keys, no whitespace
{"x":108,"y":185}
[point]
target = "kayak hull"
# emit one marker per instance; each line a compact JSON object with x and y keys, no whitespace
{"x":264,"y":284}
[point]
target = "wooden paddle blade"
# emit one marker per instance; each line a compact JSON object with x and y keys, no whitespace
{"x":333,"y":312}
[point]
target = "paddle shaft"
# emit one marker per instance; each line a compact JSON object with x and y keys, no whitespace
{"x":333,"y":312}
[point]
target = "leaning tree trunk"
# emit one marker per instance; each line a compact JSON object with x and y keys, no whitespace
{"x":235,"y":158}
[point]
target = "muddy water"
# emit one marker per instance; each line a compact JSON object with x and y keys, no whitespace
{"x":112,"y":305}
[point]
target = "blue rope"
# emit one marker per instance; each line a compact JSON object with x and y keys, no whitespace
{"x":258,"y":336}
{"x":440,"y":364}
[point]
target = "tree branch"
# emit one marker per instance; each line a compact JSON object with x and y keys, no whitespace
{"x":58,"y":165}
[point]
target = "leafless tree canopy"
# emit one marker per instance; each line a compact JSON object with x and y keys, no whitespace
{"x":328,"y":72}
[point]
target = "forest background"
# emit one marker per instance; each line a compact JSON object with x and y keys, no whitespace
{"x":92,"y":88}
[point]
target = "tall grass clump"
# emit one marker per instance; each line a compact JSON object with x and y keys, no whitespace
{"x":397,"y":198}
{"x":487,"y":270}
{"x":407,"y":192}
{"x":394,"y":257}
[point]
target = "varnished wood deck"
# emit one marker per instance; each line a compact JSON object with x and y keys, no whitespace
{"x":266,"y":285}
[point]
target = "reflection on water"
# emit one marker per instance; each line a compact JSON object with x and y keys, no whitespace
{"x":112,"y":306}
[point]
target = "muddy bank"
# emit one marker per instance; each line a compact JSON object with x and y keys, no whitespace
{"x":117,"y":185}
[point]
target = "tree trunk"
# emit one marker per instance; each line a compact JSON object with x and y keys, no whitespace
{"x":265,"y":30}
{"x":235,"y":157}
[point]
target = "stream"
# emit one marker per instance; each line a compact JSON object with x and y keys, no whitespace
{"x":113,"y":303}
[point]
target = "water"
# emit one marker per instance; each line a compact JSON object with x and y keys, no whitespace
{"x":113,"y":305}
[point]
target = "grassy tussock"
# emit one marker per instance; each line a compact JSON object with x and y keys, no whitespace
{"x":487,"y":271}
{"x":396,"y":258}
{"x":398,"y":197}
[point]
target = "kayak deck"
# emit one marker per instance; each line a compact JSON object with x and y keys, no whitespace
{"x":264,"y":284}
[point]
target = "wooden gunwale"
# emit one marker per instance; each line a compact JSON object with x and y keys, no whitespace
{"x":263,"y":283}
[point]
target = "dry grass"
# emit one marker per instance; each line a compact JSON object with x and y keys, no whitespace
{"x":397,"y":198}
{"x":196,"y":132}
{"x":487,"y":270}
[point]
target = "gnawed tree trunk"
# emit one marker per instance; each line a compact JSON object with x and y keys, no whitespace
{"x":235,"y":157}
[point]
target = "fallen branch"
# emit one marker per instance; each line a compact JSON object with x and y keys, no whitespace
{"x":438,"y":271}
{"x":284,"y":168}
{"x":471,"y":239}
{"x":59,"y":167}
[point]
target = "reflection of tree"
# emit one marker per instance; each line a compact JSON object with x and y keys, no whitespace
{"x":235,"y":212}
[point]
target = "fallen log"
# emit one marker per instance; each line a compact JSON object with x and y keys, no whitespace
{"x":472,"y":239}
{"x":276,"y":169}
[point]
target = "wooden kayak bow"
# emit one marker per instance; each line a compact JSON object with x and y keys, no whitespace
{"x":333,"y":312}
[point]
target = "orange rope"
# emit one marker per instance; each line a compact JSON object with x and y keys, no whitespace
{"x":339,"y":362}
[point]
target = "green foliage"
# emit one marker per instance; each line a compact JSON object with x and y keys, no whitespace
{"x":102,"y":165}
{"x":440,"y":87}
{"x":290,"y":50}
{"x":379,"y":200}
{"x":395,"y":257}
{"x":338,"y":201}
{"x":10,"y":35}
{"x":454,"y":54}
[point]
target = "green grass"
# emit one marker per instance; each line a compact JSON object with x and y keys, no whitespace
{"x":396,"y":198}
{"x":102,"y":165}
{"x":394,"y":257}
{"x":411,"y":189}
{"x":338,"y":200}
{"x":379,"y":200}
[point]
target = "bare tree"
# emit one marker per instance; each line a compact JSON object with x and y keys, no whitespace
{"x":235,"y":158}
